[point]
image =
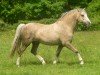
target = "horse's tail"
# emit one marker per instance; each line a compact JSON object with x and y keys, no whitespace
{"x":17,"y":41}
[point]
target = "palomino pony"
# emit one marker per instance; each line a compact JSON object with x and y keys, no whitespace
{"x":59,"y":33}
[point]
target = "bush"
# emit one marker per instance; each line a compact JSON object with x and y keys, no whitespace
{"x":11,"y":11}
{"x":93,"y":11}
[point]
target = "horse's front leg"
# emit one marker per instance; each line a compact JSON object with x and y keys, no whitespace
{"x":71,"y":47}
{"x":57,"y":54}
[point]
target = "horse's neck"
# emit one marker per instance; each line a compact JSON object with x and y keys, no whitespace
{"x":69,"y":22}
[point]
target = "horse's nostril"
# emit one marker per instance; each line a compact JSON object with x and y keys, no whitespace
{"x":89,"y":23}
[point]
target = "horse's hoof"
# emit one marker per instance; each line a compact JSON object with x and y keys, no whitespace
{"x":54,"y":62}
{"x":43,"y":63}
{"x":17,"y":65}
{"x":81,"y":63}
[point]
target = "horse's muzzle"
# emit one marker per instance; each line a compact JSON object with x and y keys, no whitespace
{"x":88,"y":23}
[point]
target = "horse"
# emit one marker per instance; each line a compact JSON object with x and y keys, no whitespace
{"x":58,"y":33}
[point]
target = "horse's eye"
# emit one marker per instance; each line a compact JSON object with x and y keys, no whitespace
{"x":82,"y":15}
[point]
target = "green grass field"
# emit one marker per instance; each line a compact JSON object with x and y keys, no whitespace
{"x":88,"y":43}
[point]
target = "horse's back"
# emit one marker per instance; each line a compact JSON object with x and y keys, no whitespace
{"x":42,"y":33}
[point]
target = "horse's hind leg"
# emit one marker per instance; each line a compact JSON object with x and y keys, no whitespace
{"x":20,"y":52}
{"x":34,"y":51}
{"x":57,"y":54}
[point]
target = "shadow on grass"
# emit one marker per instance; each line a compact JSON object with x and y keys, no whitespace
{"x":89,"y":62}
{"x":73,"y":63}
{"x":30,"y":63}
{"x":38,"y":63}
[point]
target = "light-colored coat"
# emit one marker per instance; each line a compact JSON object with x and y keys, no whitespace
{"x":59,"y":33}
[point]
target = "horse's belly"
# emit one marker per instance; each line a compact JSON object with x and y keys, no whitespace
{"x":47,"y":36}
{"x":49,"y":40}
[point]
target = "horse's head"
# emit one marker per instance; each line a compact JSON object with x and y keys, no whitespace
{"x":82,"y":17}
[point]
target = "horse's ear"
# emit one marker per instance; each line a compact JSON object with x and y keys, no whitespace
{"x":78,"y":10}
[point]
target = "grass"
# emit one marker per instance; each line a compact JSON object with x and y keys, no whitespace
{"x":88,"y":43}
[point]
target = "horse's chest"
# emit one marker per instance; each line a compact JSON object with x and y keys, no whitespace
{"x":66,"y":37}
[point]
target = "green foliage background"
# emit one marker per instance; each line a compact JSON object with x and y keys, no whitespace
{"x":45,"y":11}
